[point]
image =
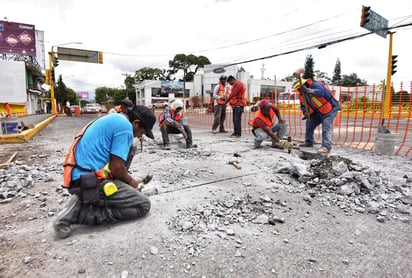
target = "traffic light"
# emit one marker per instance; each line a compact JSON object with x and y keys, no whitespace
{"x":52,"y":76}
{"x":100,"y":58}
{"x":47,"y":76}
{"x":55,"y":61}
{"x":394,"y":57}
{"x":365,"y":18}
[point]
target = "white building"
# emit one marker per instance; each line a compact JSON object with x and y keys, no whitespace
{"x":150,"y":92}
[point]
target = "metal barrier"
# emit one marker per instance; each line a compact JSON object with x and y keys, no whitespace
{"x":355,"y":126}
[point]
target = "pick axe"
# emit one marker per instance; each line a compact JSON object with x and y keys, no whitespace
{"x":299,"y":72}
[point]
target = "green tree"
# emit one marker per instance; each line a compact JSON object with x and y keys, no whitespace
{"x":147,"y":73}
{"x":309,"y":68}
{"x":189,"y":64}
{"x":337,"y":77}
{"x":119,"y":95}
{"x":322,"y":76}
{"x":103,"y":94}
{"x":352,"y":80}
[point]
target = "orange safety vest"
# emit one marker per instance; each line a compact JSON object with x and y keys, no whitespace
{"x":239,"y":100}
{"x":162,"y":119}
{"x":222,"y":94}
{"x":70,"y":162}
{"x":118,"y":108}
{"x":320,"y":104}
{"x":259,"y":115}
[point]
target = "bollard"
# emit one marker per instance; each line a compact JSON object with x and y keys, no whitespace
{"x":385,"y":143}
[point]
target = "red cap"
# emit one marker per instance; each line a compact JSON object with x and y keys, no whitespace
{"x":263,"y":103}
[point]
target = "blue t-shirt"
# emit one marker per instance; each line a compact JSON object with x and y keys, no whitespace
{"x":110,"y":134}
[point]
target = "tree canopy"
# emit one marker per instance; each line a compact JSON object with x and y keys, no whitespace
{"x":337,"y":78}
{"x":189,"y":64}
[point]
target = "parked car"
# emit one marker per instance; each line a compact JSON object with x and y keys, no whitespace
{"x":93,"y":108}
{"x":288,"y":98}
{"x":159,"y":104}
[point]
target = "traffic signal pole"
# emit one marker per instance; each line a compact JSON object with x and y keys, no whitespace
{"x":52,"y":99}
{"x":387,"y":96}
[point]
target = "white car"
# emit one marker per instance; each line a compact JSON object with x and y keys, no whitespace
{"x":93,"y":108}
{"x":288,"y":98}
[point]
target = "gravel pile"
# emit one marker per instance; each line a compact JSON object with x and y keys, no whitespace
{"x":19,"y":176}
{"x":337,"y":181}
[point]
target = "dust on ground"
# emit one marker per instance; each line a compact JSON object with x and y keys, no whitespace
{"x":209,"y":219}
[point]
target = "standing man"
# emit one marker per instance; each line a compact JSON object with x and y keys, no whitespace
{"x":171,"y":122}
{"x":220,"y":93}
{"x":237,"y":99}
{"x":263,"y":126}
{"x":318,"y":106}
{"x":96,"y":175}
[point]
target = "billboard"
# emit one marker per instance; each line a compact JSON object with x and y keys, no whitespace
{"x":13,"y":82}
{"x":83,"y":95}
{"x":171,"y":87}
{"x":18,"y":38}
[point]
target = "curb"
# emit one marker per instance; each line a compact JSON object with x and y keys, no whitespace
{"x":26,"y":135}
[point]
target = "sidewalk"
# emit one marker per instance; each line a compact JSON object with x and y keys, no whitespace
{"x":39,"y":121}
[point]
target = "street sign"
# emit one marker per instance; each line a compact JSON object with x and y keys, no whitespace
{"x":79,"y":55}
{"x":374,"y":22}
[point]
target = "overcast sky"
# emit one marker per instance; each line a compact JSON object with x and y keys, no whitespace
{"x":134,"y":34}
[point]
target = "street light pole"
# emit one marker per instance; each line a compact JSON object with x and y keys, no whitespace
{"x":52,"y":81}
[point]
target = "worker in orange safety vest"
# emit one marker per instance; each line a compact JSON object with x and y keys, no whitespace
{"x":220,"y":93}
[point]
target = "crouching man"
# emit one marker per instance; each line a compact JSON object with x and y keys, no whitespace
{"x":171,"y":122}
{"x":95,"y":172}
{"x":263,"y":125}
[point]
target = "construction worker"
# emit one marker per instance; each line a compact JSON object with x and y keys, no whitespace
{"x":125,"y":106}
{"x":318,"y":106}
{"x":220,"y":93}
{"x":123,"y":109}
{"x":171,"y":122}
{"x":237,"y":100}
{"x":263,"y":125}
{"x":95,"y":172}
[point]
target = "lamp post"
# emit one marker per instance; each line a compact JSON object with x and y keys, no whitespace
{"x":52,"y":81}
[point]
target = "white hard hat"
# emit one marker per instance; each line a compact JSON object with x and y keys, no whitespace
{"x":177,"y":103}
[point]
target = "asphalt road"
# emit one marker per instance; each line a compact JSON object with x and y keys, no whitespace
{"x":314,"y":241}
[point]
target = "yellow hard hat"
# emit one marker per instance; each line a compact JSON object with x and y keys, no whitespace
{"x":297,"y":84}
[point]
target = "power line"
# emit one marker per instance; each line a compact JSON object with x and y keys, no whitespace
{"x":319,"y":46}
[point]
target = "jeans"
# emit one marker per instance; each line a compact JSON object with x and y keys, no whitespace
{"x":326,"y":121}
{"x":260,"y":135}
{"x":237,"y":120}
{"x":220,"y":117}
{"x":166,"y":130}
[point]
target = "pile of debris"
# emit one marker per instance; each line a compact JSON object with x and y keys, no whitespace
{"x":338,"y":181}
{"x":217,"y":215}
{"x":17,"y":177}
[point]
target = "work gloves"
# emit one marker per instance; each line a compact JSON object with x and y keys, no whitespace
{"x":285,"y":144}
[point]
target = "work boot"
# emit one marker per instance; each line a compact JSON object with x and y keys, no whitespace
{"x":67,"y":217}
{"x":166,"y":147}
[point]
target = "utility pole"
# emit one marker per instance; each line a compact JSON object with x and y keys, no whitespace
{"x":387,"y":96}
